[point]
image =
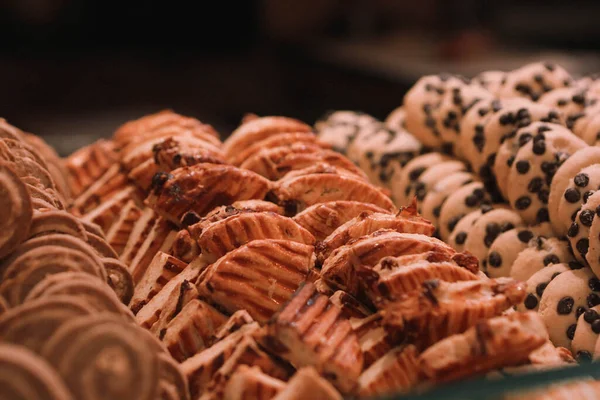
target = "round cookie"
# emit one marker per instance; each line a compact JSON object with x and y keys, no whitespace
{"x":563,"y":179}
{"x":564,"y":299}
{"x":439,"y":191}
{"x":466,"y":199}
{"x":455,"y":103}
{"x":515,"y":114}
{"x":570,"y":101}
{"x":533,"y":168}
{"x":593,"y":255}
{"x":540,"y":253}
{"x":487,"y":228}
{"x":586,"y":124}
{"x":410,"y":173}
{"x":341,"y":127}
{"x":586,"y":334}
{"x":430,"y":176}
{"x":492,"y":81}
{"x":461,"y":231}
{"x":506,"y":248}
{"x":579,"y":231}
{"x":396,"y":120}
{"x":421,"y":103}
{"x":581,"y":186}
{"x":536,"y":285}
{"x":533,"y":80}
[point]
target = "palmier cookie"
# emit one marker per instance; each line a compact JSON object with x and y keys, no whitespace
{"x":461,"y":231}
{"x":455,"y":103}
{"x":537,"y":283}
{"x":579,"y":231}
{"x":515,"y":114}
{"x":586,"y":335}
{"x":565,"y":298}
{"x":15,"y":210}
{"x":439,"y":191}
{"x":421,"y":103}
{"x":486,"y":229}
{"x":534,"y":167}
{"x":466,"y":199}
{"x":540,"y":253}
{"x":507,"y":246}
{"x":581,"y":187}
{"x":533,"y":80}
{"x":341,"y":127}
{"x":404,"y":180}
{"x":430,"y":176}
{"x":563,"y":182}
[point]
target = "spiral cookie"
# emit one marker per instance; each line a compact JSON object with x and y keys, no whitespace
{"x":540,"y":253}
{"x":172,"y":378}
{"x":565,"y":298}
{"x":15,"y":210}
{"x":466,"y":199}
{"x":31,"y":324}
{"x":562,"y":180}
{"x":106,"y":360}
{"x":119,"y":279}
{"x":439,"y":191}
{"x":24,"y":375}
{"x":487,"y":228}
{"x":537,"y":283}
{"x":533,"y":169}
{"x":403,"y":182}
{"x":533,"y":80}
{"x":586,"y":334}
{"x":505,"y":249}
{"x":421,"y":104}
{"x":44,"y":223}
{"x":341,"y":127}
{"x":579,"y":231}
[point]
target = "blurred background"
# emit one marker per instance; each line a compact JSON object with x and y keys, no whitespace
{"x":73,"y":70}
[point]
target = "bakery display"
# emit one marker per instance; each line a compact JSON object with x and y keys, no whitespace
{"x":456,"y":239}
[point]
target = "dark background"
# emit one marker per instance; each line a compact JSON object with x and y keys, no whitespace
{"x":73,"y":70}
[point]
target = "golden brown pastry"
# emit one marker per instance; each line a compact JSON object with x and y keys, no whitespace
{"x":16,"y":210}
{"x":88,"y":164}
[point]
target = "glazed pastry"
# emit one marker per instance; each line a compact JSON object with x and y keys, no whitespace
{"x":306,"y":383}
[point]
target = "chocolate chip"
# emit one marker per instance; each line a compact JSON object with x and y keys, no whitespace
{"x":573,"y":230}
{"x":535,"y":184}
{"x":485,"y":208}
{"x":494,"y":259}
{"x":452,"y":223}
{"x":522,"y":203}
{"x":524,"y":139}
{"x":543,"y":196}
{"x":565,"y":305}
{"x":581,"y":179}
{"x":580,"y":310}
{"x":596,"y":326}
{"x":593,"y":300}
{"x":525,"y":236}
{"x":539,"y":289}
{"x":543,"y":215}
{"x":522,"y":166}
{"x":575,"y":265}
{"x":587,"y":195}
{"x":590,"y":316}
{"x":594,"y":284}
{"x":479,"y":142}
{"x":510,"y":160}
{"x":506,"y":226}
{"x":539,"y":147}
{"x":554,"y":275}
{"x":551,"y":259}
{"x":549,"y":66}
{"x":572,"y":195}
{"x":460,"y":237}
{"x":584,"y":356}
{"x":436,"y":211}
{"x":582,"y":246}
{"x":587,"y":217}
{"x":471,"y":201}
{"x":531,"y":301}
{"x":571,"y":331}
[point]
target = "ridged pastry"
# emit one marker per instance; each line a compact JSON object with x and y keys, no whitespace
{"x":234,"y":323}
{"x":121,"y":229}
{"x":27,"y":376}
{"x":44,"y":223}
{"x":259,"y":276}
{"x":372,"y":338}
{"x":302,"y":192}
{"x":309,"y":330}
{"x":340,"y":268}
{"x":489,"y":344}
{"x":440,"y":309}
{"x":183,"y":293}
{"x":221,"y":237}
{"x":192,"y":330}
{"x":250,"y":382}
{"x":307,"y":383}
{"x":351,"y":307}
{"x":396,"y":372}
{"x":159,"y":238}
{"x":16,"y":213}
{"x":119,"y":279}
{"x":106,"y":214}
{"x":87,"y":164}
{"x":323,"y":219}
{"x":202,"y":187}
{"x":406,"y":221}
{"x":104,"y":188}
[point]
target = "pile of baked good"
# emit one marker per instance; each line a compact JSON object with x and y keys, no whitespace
{"x":163,"y":263}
